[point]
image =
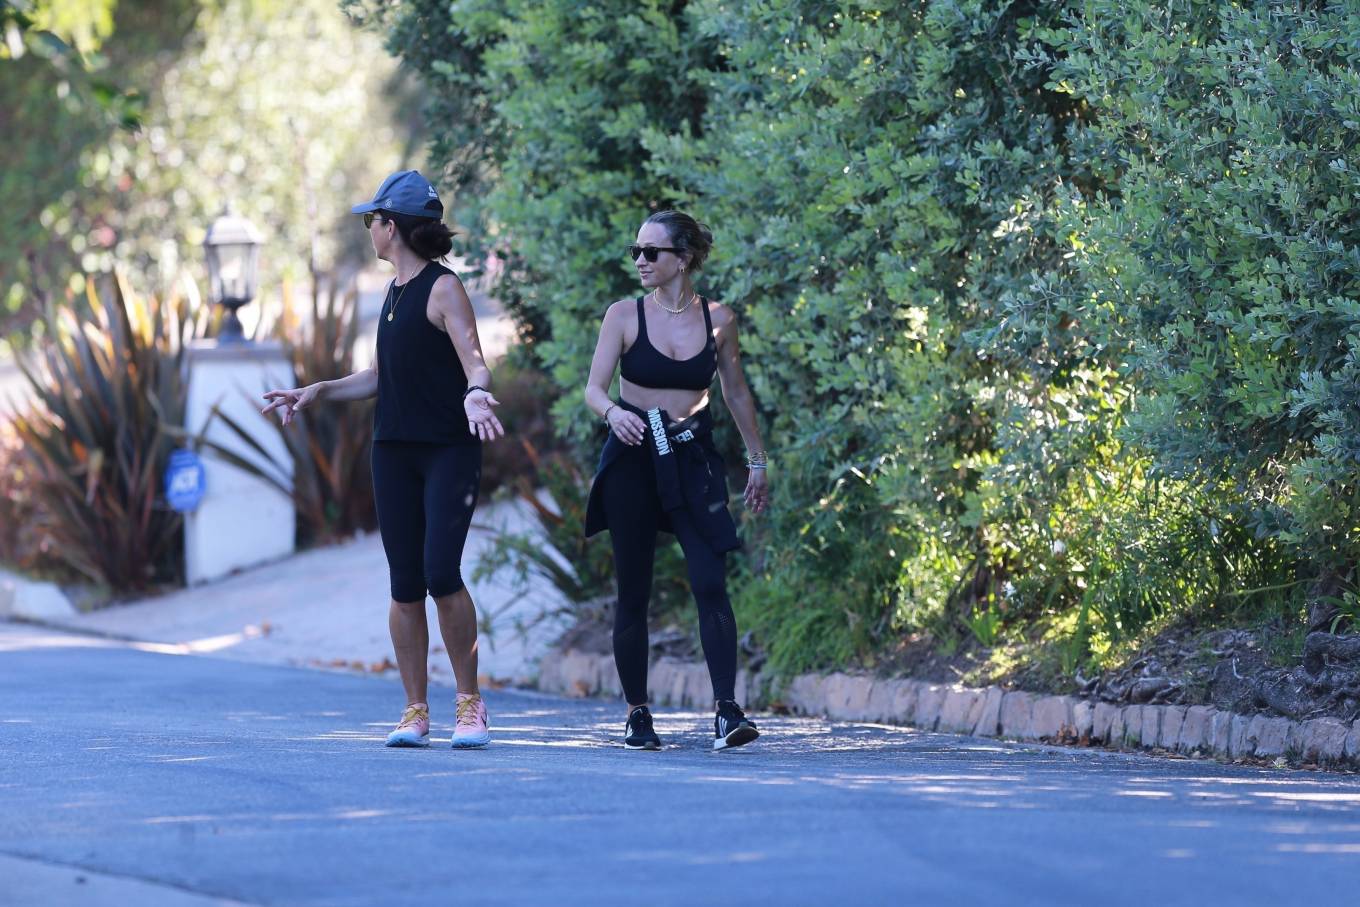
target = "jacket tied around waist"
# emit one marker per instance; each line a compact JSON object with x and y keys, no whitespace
{"x":689,"y":472}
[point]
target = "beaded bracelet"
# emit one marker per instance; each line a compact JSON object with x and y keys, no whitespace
{"x":605,"y":418}
{"x":474,"y":387}
{"x":757,"y":460}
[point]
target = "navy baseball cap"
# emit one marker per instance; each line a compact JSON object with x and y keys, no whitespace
{"x":405,"y":192}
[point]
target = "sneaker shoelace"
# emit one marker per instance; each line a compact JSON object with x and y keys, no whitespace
{"x":467,"y":711}
{"x":412,"y":717}
{"x":734,"y":717}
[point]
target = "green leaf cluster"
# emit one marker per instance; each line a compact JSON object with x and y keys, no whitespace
{"x":1226,"y":250}
{"x":73,"y":76}
{"x":287,"y":112}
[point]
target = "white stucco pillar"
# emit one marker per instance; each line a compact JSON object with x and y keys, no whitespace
{"x":242,"y":520}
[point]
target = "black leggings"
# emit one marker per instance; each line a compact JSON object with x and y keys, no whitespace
{"x":633,"y":510}
{"x":425,"y":495}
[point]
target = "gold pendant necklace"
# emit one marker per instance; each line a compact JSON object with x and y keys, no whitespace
{"x":392,"y":314}
{"x":393,"y":311}
{"x":666,"y":308}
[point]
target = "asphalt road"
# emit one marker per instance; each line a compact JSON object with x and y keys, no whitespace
{"x":193,"y":776}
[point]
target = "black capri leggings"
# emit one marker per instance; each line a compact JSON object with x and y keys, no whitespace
{"x":425,"y":495}
{"x":633,"y":510}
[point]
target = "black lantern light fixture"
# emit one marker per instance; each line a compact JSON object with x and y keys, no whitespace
{"x":232,"y":248}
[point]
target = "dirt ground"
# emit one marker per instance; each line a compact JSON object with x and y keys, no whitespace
{"x":1269,"y":669}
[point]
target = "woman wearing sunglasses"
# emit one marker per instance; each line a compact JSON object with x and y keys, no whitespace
{"x":433,"y":412}
{"x":660,"y":470}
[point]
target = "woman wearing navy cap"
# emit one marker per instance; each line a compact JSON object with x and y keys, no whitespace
{"x":660,"y":469}
{"x":434,"y":409}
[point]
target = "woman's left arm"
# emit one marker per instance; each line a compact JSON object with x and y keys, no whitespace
{"x":451,"y":312}
{"x":737,"y":395}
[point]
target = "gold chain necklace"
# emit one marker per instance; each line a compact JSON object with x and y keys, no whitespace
{"x":392,"y":314}
{"x":666,"y":308}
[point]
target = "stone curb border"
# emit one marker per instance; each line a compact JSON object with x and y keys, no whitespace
{"x":990,"y":712}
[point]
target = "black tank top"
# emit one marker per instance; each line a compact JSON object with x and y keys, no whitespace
{"x":645,"y":366}
{"x":420,"y":380}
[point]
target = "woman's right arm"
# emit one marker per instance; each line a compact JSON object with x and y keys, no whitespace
{"x":359,"y":386}
{"x":608,"y":349}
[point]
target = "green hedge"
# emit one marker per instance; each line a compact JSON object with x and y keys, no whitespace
{"x":1049,"y":307}
{"x":1230,"y":254}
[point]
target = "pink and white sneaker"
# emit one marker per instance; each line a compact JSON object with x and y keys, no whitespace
{"x":469,"y":728}
{"x":414,"y":729}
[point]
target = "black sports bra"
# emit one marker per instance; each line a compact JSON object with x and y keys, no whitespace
{"x":645,"y":366}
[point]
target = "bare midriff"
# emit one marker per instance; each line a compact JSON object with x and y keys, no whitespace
{"x":678,"y":403}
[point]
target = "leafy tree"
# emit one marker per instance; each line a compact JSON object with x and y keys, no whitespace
{"x":71,"y":76}
{"x":1050,"y":306}
{"x":291,"y":139}
{"x":1229,"y":252}
{"x":881,"y":181}
{"x":529,"y":103}
{"x":887,"y":180}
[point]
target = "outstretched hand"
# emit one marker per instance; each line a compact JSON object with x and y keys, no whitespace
{"x":290,"y":401}
{"x":482,"y":422}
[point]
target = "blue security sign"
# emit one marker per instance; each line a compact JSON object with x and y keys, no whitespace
{"x":185,"y":480}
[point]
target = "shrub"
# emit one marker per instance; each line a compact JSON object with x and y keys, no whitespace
{"x":331,"y":445}
{"x":580,"y":569}
{"x":526,"y":397}
{"x":108,"y":402}
{"x":881,"y":179}
{"x":21,"y":539}
{"x":1227,"y":253}
{"x":887,"y":182}
{"x":1024,"y":286}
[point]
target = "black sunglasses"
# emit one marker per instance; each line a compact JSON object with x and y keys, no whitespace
{"x":649,"y":252}
{"x":368,"y":218}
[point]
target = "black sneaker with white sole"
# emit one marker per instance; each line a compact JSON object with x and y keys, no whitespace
{"x":731,"y":727}
{"x":638,"y":732}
